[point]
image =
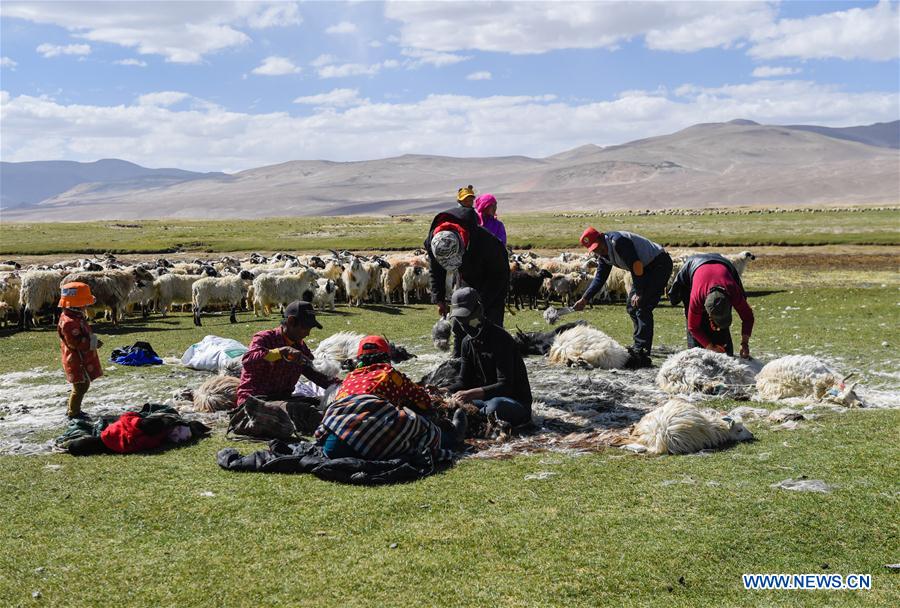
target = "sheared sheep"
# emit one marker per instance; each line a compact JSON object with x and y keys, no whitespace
{"x":804,"y":376}
{"x":172,"y":289}
{"x":343,"y":346}
{"x":678,"y":427}
{"x":325,"y":292}
{"x":219,"y":290}
{"x":40,"y":289}
{"x":217,"y":394}
{"x":704,"y":371}
{"x":539,"y":342}
{"x":279,"y":290}
{"x":444,"y":375}
{"x":111,"y":288}
{"x":585,"y":346}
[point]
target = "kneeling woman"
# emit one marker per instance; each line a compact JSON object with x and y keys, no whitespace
{"x":378,"y":413}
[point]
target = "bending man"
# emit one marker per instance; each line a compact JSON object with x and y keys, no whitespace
{"x":709,"y":285}
{"x":650,"y":267}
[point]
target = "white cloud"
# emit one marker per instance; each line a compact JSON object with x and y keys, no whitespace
{"x":275,"y":66}
{"x":857,"y":33}
{"x":420,"y":57}
{"x":133,"y":62}
{"x":54,"y":50}
{"x":162,"y":98}
{"x":323,"y":60}
{"x":345,"y":70}
{"x":334,"y":98}
{"x":209,"y":137}
{"x":182,"y":32}
{"x":538,"y":27}
{"x":344,"y":27}
{"x":483,"y":75}
{"x":769,"y":71}
{"x":6,"y":62}
{"x":375,"y":44}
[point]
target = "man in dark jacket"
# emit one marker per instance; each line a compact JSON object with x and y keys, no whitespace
{"x":492,"y":373}
{"x":650,"y":267}
{"x":477,"y":255}
{"x":709,"y":285}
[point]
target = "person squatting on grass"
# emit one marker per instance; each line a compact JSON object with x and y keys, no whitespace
{"x":492,"y":373}
{"x":378,"y":413}
{"x":710,"y":285}
{"x":456,"y":243}
{"x":650,"y":267}
{"x":78,"y":344}
{"x":277,"y":358}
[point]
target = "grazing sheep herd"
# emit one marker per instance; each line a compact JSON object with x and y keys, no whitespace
{"x":262,"y":283}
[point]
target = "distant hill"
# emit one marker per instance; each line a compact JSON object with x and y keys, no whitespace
{"x":717,"y":164}
{"x":32,"y":182}
{"x":884,"y":134}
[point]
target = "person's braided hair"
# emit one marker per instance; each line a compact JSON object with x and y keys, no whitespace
{"x":372,"y":359}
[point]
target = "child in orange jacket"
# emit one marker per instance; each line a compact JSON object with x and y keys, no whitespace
{"x":78,"y":343}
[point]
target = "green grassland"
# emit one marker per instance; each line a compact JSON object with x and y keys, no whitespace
{"x":710,"y":229}
{"x":609,"y":528}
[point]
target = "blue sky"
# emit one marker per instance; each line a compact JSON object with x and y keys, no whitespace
{"x":229,"y":86}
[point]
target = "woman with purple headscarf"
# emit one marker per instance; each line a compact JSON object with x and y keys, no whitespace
{"x":486,"y":208}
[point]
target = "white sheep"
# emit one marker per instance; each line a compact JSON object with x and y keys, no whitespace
{"x":40,"y":289}
{"x":374,"y":288}
{"x":279,"y":290}
{"x":112,"y":288}
{"x":678,"y":427}
{"x":704,"y":371}
{"x":325,"y":293}
{"x":806,"y":377}
{"x":141,"y":297}
{"x":172,"y":289}
{"x":356,"y":282}
{"x":10,"y":290}
{"x":218,"y":290}
{"x":740,"y":261}
{"x":416,"y":281}
{"x":217,"y":394}
{"x":584,"y":345}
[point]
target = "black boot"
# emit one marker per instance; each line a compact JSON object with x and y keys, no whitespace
{"x":460,"y":426}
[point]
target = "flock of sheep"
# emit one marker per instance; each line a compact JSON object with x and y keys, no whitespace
{"x":262,"y":283}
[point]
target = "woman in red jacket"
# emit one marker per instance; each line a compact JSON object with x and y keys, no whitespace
{"x":78,"y":343}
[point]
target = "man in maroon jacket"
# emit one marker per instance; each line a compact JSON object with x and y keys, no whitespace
{"x":278,"y":357}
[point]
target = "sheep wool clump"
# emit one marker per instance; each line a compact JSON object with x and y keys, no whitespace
{"x":704,"y":371}
{"x":803,"y":376}
{"x":216,"y":394}
{"x":679,"y":427}
{"x":586,"y":346}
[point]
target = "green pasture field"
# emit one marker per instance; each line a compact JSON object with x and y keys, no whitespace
{"x":709,"y":229}
{"x":610,"y":528}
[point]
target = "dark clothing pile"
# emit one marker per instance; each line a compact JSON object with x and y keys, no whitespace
{"x":491,"y":360}
{"x":153,"y":426}
{"x":305,"y":457}
{"x":138,"y":354}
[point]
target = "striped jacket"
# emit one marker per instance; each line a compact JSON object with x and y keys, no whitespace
{"x":378,"y":430}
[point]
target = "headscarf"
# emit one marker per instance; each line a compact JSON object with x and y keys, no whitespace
{"x":483,"y":202}
{"x":447,"y":248}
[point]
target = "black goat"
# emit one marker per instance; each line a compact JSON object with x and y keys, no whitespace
{"x":523,"y":286}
